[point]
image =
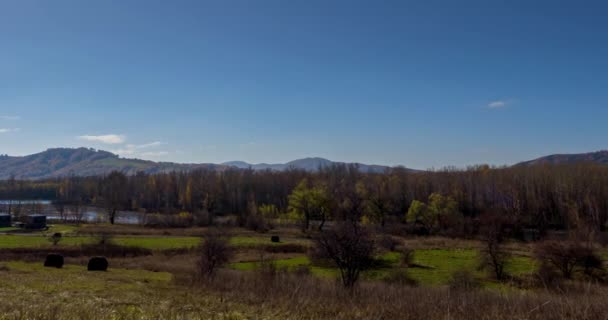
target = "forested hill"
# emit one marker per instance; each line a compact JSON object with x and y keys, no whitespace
{"x":600,"y":157}
{"x":83,"y":162}
{"x":60,"y":162}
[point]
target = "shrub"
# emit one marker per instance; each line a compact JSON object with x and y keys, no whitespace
{"x":388,"y":243}
{"x":400,"y":277}
{"x":493,"y":256}
{"x":463,"y":280}
{"x":257,"y":223}
{"x":214,"y":253}
{"x":548,"y":276}
{"x":407,"y":257}
{"x":301,"y":270}
{"x":350,"y":247}
{"x":55,"y":238}
{"x":104,"y":239}
{"x":568,"y":256}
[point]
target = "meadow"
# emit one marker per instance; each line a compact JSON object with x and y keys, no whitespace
{"x":161,"y":281}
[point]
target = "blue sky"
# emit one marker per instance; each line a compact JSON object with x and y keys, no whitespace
{"x":419,"y":83}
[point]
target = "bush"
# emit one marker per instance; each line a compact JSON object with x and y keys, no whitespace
{"x":407,"y":257}
{"x":493,"y":256}
{"x":400,"y":277}
{"x":350,"y":247}
{"x":214,"y":253}
{"x":388,"y":243}
{"x":464,"y":280}
{"x":104,"y":239}
{"x":55,"y":238}
{"x":301,"y":270}
{"x":257,"y":223}
{"x":548,"y":277}
{"x":569,"y":256}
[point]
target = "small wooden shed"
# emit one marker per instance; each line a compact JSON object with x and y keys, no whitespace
{"x":5,"y":220}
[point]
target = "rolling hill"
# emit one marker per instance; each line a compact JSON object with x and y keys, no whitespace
{"x":599,"y":157}
{"x":59,"y":162}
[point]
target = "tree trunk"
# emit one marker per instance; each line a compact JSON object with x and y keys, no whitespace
{"x":112,"y":216}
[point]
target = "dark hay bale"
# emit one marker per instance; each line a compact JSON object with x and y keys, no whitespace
{"x":275,"y":239}
{"x":54,"y":260}
{"x":98,"y":264}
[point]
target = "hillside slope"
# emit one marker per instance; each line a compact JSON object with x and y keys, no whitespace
{"x":82,"y":162}
{"x":599,"y":157}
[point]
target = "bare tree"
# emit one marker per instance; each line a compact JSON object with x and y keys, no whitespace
{"x":349,"y":247}
{"x":567,"y":256}
{"x":493,"y":255}
{"x":115,"y":194}
{"x":214,"y":253}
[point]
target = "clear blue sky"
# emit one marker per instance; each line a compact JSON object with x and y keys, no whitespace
{"x":419,"y":83}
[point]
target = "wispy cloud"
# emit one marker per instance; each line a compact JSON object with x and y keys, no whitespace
{"x":154,"y":154}
{"x":498,"y":104}
{"x":106,"y":138}
{"x":145,"y":145}
{"x":7,"y":130}
{"x":138,"y":150}
{"x":10,"y":117}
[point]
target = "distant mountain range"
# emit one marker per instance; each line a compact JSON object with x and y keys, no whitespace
{"x":308,"y":164}
{"x":61,"y":162}
{"x":600,"y":157}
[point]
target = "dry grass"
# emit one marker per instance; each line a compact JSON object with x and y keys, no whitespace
{"x":304,"y":297}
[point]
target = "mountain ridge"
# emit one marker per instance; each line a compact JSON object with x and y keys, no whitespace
{"x":599,"y":157}
{"x":60,"y":162}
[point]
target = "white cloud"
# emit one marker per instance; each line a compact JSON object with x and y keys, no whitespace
{"x":146,"y":145}
{"x":7,"y":130}
{"x":10,"y":117}
{"x":135,"y":150}
{"x":154,"y":154}
{"x":107,"y":138}
{"x":498,"y":104}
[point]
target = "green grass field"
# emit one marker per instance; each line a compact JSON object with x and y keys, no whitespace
{"x":436,"y":266}
{"x":152,"y":243}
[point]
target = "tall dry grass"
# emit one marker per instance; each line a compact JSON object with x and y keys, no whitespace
{"x":302,"y":297}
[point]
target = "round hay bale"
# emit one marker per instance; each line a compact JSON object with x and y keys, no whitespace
{"x":98,"y":264}
{"x":275,"y":239}
{"x":54,"y":260}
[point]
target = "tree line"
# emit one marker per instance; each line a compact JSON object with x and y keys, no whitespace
{"x":543,"y":196}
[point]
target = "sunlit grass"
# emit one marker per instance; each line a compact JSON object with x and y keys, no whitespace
{"x":433,"y":267}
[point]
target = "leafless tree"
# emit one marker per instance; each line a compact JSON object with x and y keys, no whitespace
{"x":214,"y":253}
{"x":350,"y":247}
{"x":493,"y":255}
